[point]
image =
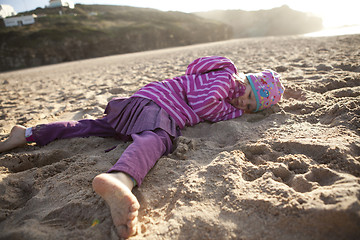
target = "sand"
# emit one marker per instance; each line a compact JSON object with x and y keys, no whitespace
{"x":290,"y":172}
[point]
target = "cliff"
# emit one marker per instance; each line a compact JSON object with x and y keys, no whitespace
{"x":90,"y":31}
{"x":273,"y":22}
{"x":95,"y":30}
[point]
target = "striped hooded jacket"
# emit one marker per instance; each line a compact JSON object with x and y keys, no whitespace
{"x":202,"y":94}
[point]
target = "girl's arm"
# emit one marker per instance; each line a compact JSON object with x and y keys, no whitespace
{"x":207,"y":64}
{"x":212,"y":89}
{"x":214,"y":109}
{"x":210,"y":103}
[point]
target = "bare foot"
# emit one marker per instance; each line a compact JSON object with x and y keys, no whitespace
{"x":115,"y":189}
{"x":16,"y":139}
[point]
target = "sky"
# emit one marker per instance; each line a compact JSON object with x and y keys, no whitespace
{"x":333,"y":13}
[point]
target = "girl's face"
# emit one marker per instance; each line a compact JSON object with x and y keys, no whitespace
{"x":246,"y":102}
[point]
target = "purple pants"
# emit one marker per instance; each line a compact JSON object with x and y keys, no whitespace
{"x":138,"y":158}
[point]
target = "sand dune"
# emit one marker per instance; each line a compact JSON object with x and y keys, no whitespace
{"x":291,"y":172}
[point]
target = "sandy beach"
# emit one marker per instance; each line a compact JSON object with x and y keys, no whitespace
{"x":290,"y":172}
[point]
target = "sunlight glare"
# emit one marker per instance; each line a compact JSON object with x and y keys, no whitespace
{"x":333,"y":13}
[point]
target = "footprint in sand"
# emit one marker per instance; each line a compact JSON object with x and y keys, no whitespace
{"x":24,"y":161}
{"x":348,"y":67}
{"x":68,"y":216}
{"x":300,"y":184}
{"x":15,"y":193}
{"x":294,"y":93}
{"x":351,"y":92}
{"x":324,"y":67}
{"x":116,"y":91}
{"x":322,"y":176}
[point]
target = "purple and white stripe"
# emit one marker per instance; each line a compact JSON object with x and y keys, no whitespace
{"x":203,"y":93}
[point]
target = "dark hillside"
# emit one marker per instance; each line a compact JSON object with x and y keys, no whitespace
{"x":97,"y":30}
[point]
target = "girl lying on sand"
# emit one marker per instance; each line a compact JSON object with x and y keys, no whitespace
{"x":211,"y":89}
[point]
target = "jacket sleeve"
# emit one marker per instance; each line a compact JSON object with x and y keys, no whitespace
{"x":210,"y":102}
{"x":226,"y":112}
{"x":213,"y":63}
{"x":215,"y":110}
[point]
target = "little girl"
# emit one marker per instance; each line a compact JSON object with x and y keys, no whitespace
{"x":211,"y":89}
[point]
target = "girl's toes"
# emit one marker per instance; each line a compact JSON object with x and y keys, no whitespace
{"x":122,"y":231}
{"x":132,"y":215}
{"x":132,"y":231}
{"x":132,"y":223}
{"x":134,"y":207}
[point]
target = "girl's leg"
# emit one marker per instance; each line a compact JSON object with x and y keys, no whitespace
{"x":140,"y":156}
{"x":116,"y":185}
{"x":46,"y":133}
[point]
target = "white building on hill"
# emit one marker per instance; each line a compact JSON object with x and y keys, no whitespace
{"x":61,"y":3}
{"x":19,"y":21}
{"x":6,"y":11}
